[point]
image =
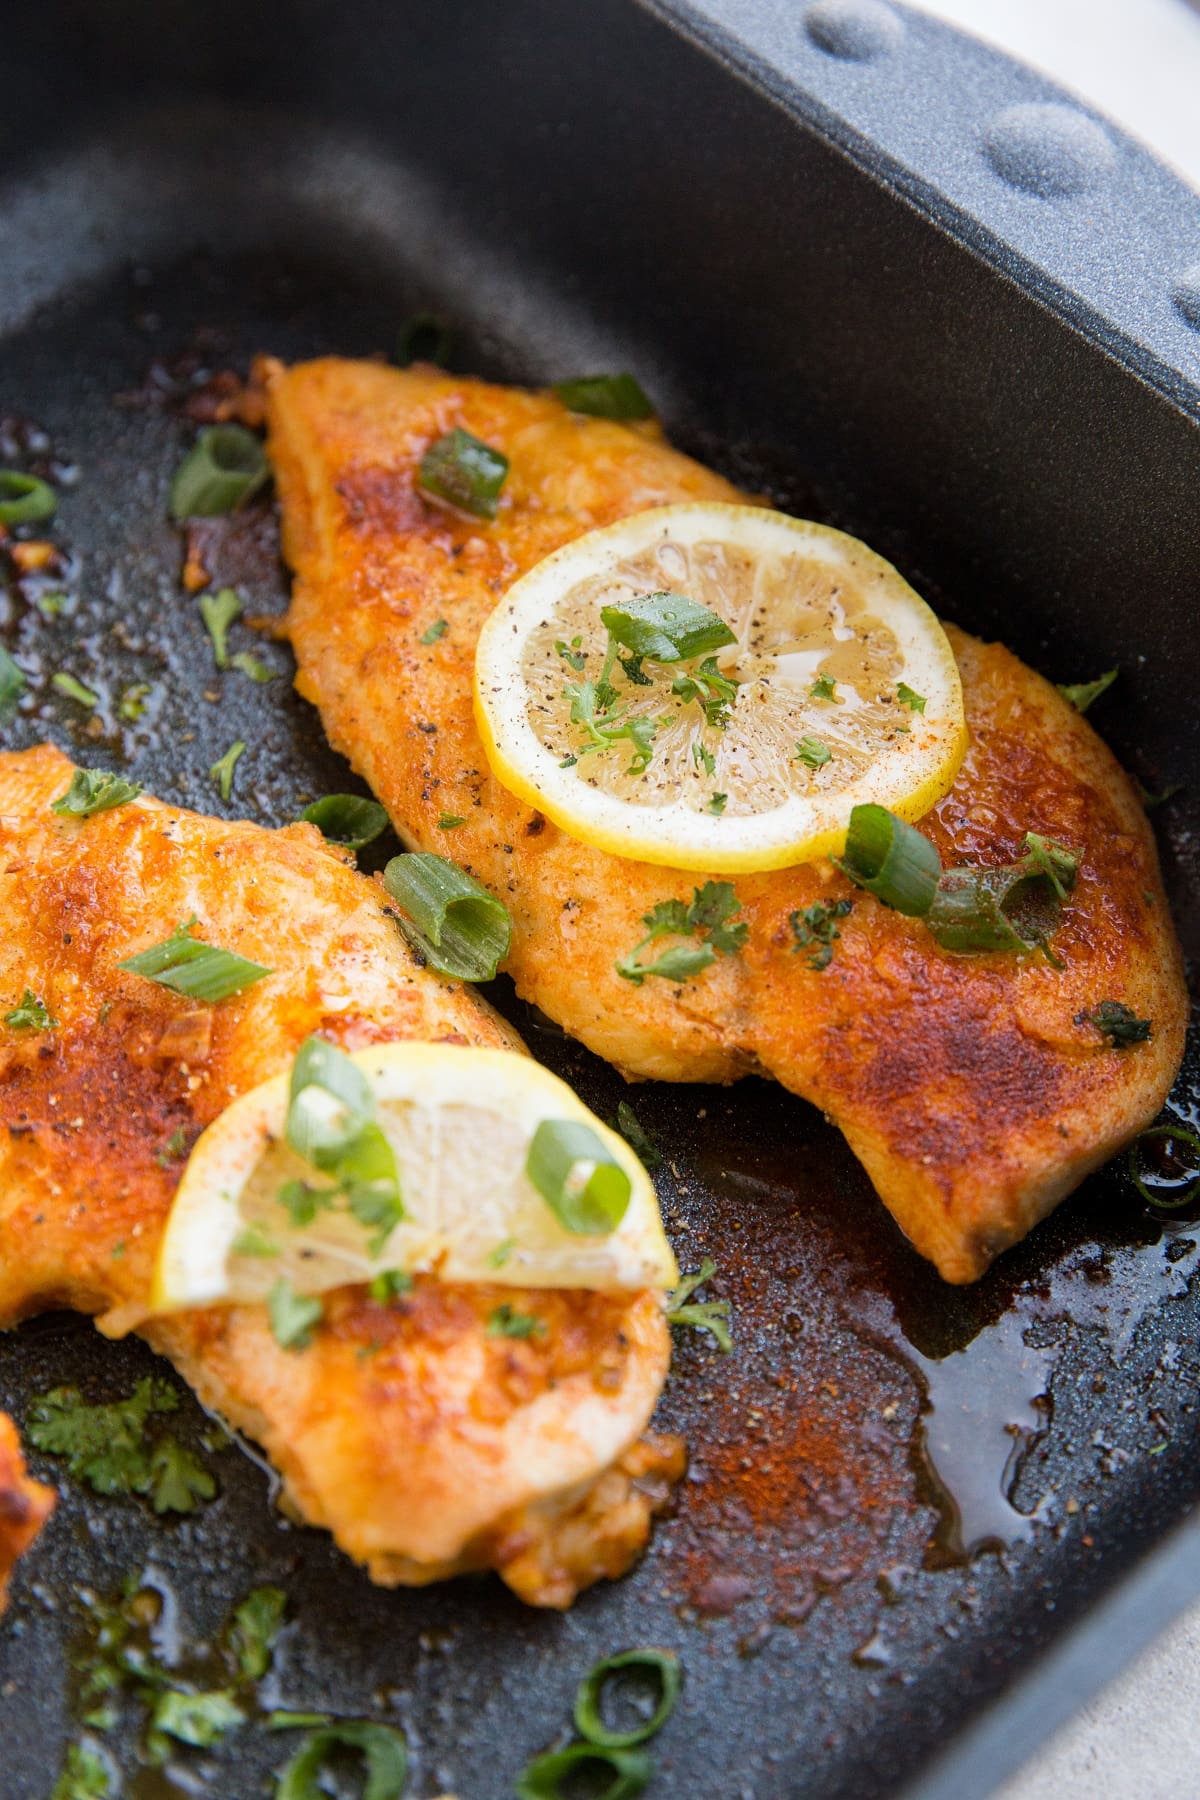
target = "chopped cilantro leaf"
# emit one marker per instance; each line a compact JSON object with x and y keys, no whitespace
{"x":704,"y":759}
{"x":636,"y":1136}
{"x":506,"y":1321}
{"x":83,"y":1776}
{"x":198,"y":1719}
{"x":1120,"y":1025}
{"x":172,"y":1148}
{"x":390,"y":1284}
{"x":908,"y":697}
{"x":222,"y":770}
{"x":93,"y":791}
{"x":708,"y":913}
{"x":716,"y":804}
{"x":133,"y":702}
{"x":253,"y":1629}
{"x":293,"y":1316}
{"x":571,"y":654}
{"x":813,"y":753}
{"x":178,"y":1479}
{"x":219,"y":612}
{"x":815,"y":928}
{"x":1081,"y":694}
{"x":702,"y":1315}
{"x":450,"y":822}
{"x":823,"y":688}
{"x":106,"y":1446}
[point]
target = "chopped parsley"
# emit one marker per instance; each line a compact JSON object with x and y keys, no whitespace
{"x":505,"y":1321}
{"x":433,"y":632}
{"x":390,"y":1285}
{"x":12,"y":680}
{"x":222,"y":770}
{"x":331,"y":1124}
{"x":907,"y":697}
{"x":502,"y":1253}
{"x":108,"y":1446}
{"x":133,"y":702}
{"x":571,"y":653}
{"x":704,"y":759}
{"x":172,"y":1148}
{"x":450,"y":822}
{"x":636,"y":1136}
{"x":716,"y":804}
{"x":1120,"y":1025}
{"x":813,"y":753}
{"x":52,"y":606}
{"x":823,"y":688}
{"x":1081,"y":694}
{"x":219,"y":612}
{"x":30,"y":1015}
{"x":93,"y":791}
{"x":815,"y":928}
{"x":702,"y":1315}
{"x":713,"y":692}
{"x":83,"y":1776}
{"x":606,"y":721}
{"x":252,"y":1631}
{"x":293,"y":1315}
{"x":708,"y":913}
{"x":198,"y":1719}
{"x":66,"y":684}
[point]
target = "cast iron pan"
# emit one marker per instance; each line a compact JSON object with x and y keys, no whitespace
{"x":899,"y":1493}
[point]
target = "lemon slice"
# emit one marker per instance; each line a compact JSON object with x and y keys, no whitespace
{"x":460,"y":1123}
{"x":840,"y":688}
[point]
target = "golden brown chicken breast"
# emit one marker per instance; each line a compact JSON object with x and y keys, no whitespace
{"x":423,"y":1443}
{"x":25,"y":1504}
{"x":976,"y":1089}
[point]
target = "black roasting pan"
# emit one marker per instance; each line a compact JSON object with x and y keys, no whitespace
{"x":908,"y":287}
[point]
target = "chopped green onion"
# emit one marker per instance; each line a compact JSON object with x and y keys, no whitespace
{"x":252,"y":1240}
{"x":93,"y":791}
{"x":24,"y":500}
{"x":506,"y":1321}
{"x":1120,"y":1025}
{"x":1167,"y":1197}
{"x":198,"y":1719}
{"x":246,"y":663}
{"x":219,"y":611}
{"x":1081,"y":694}
{"x":318,"y":1063}
{"x":454,"y":922}
{"x":188,"y":966}
{"x":331,"y":1124}
{"x":665,"y":1673}
{"x":554,"y":1776}
{"x":30,"y":1015}
{"x":285,"y":1719}
{"x":424,"y":338}
{"x":1059,"y":865}
{"x":666,"y":627}
{"x":226,"y":467}
{"x":12,"y":680}
{"x":578,"y":1177}
{"x":347,"y":819}
{"x":605,"y":397}
{"x":132,"y":704}
{"x":891,"y":860}
{"x":637,"y":1137}
{"x":813,"y":753}
{"x":293,"y":1316}
{"x":222,"y":770}
{"x":1014,"y":907}
{"x":702,"y":1315}
{"x":909,"y":697}
{"x":382,"y":1748}
{"x":450,"y":821}
{"x":823,"y":688}
{"x":74,"y":690}
{"x":465,"y":471}
{"x":433,"y":632}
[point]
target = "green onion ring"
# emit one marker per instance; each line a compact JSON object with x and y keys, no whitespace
{"x":663,"y":1664}
{"x":455,"y":923}
{"x":24,"y":500}
{"x":578,"y":1177}
{"x":1174,"y":1134}
{"x":892,"y":860}
{"x":544,"y":1777}
{"x":382,"y":1747}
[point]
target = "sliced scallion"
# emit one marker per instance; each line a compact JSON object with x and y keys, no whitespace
{"x":556,"y":1775}
{"x":24,"y":500}
{"x":454,"y":922}
{"x":666,"y":627}
{"x":225,"y":467}
{"x":464,"y":471}
{"x":347,"y":819}
{"x":424,"y":338}
{"x":64,"y":683}
{"x":605,"y":397}
{"x":1167,"y":1194}
{"x":187,"y":965}
{"x":578,"y":1177}
{"x":662,"y":1669}
{"x":94,"y":791}
{"x":891,"y":860}
{"x":12,"y":680}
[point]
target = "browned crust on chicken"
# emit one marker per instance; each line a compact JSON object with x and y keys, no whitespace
{"x":25,"y":1504}
{"x":972,"y":1088}
{"x":416,"y":1437}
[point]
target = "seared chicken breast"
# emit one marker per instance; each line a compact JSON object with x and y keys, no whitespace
{"x":423,"y":1443}
{"x":25,"y":1505}
{"x":977,"y":1090}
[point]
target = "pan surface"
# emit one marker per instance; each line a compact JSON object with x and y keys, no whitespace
{"x":871,"y":1426}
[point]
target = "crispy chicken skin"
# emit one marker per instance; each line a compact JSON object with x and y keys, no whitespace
{"x":971,"y":1088}
{"x":421,"y":1442}
{"x":25,"y":1505}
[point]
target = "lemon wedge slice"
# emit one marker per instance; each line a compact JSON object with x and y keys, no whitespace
{"x":460,"y":1124}
{"x":822,"y":682}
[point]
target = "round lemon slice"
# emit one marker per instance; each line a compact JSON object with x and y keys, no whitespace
{"x":460,"y":1123}
{"x":835,"y":686}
